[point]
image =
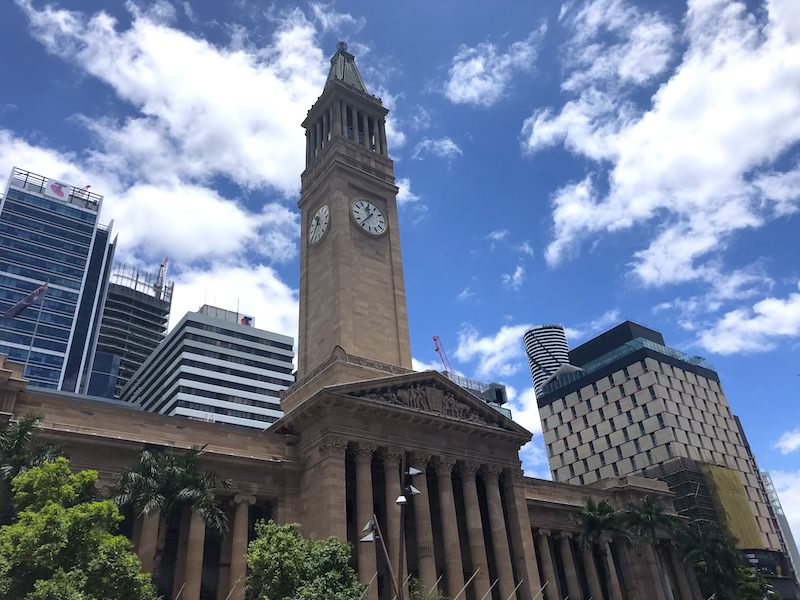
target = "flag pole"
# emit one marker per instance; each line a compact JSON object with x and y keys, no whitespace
{"x":35,"y":327}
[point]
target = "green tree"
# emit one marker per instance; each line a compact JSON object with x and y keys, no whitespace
{"x":643,"y":520}
{"x":165,"y":483}
{"x":62,"y":546}
{"x":283,"y":565}
{"x":750,"y":585}
{"x":18,"y":454}
{"x":417,"y":592}
{"x":712,"y":552}
{"x":594,"y":520}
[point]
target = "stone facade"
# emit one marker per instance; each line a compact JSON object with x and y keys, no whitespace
{"x":335,"y":460}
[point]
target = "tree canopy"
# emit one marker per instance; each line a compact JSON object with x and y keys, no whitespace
{"x":62,"y":545}
{"x":283,"y":565}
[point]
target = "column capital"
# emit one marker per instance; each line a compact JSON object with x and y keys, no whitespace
{"x":543,"y":532}
{"x":421,"y":458}
{"x":491,"y":470}
{"x":444,"y":465}
{"x":244,"y":498}
{"x":333,"y":447}
{"x":513,"y":476}
{"x":364,"y":451}
{"x":469,"y":468}
{"x":393,"y":454}
{"x":564,"y":535}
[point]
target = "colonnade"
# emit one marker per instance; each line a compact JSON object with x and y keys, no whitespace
{"x":188,"y":572}
{"x":343,"y":119}
{"x":490,"y":507}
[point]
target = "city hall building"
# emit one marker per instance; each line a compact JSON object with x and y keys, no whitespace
{"x":356,"y":414}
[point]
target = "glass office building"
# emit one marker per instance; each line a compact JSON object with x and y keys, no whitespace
{"x":49,"y":234}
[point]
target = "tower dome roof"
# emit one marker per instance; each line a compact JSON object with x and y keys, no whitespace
{"x":344,"y":69}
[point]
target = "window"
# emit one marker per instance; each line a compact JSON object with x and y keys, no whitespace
{"x":652,"y":392}
{"x":637,"y":446}
{"x":645,"y":410}
{"x":615,"y":469}
{"x":638,"y":383}
{"x":594,"y":387}
{"x":605,"y":397}
{"x":625,"y":372}
{"x":661,"y":421}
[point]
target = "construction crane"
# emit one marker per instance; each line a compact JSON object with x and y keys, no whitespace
{"x":162,"y":275}
{"x":439,"y":348}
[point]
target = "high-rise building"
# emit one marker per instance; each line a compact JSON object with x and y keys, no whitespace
{"x":216,"y":366}
{"x":637,"y":406}
{"x":547,"y":350}
{"x":134,"y":322}
{"x":49,"y":235}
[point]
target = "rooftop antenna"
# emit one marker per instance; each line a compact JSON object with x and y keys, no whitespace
{"x":162,"y":275}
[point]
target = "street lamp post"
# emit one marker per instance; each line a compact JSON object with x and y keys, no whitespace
{"x":372,"y":527}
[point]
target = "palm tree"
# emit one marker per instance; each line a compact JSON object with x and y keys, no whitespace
{"x":644,"y":519}
{"x":712,"y":553}
{"x":162,"y":483}
{"x":594,"y":520}
{"x":17,"y":455}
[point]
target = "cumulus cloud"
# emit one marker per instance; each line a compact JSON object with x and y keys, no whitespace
{"x":255,"y":289}
{"x":698,"y":161}
{"x":788,"y":442}
{"x":513,"y":281}
{"x":331,"y":20}
{"x":756,"y":329}
{"x":421,"y":365}
{"x":481,"y":75}
{"x":441,"y":148}
{"x":405,"y":196}
{"x":525,"y":411}
{"x":498,"y":356}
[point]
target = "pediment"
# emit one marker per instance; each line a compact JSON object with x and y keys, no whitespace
{"x":432,"y":393}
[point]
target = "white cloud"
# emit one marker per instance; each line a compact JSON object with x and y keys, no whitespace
{"x":498,"y":235}
{"x":526,"y":249}
{"x":788,"y":442}
{"x":330,"y":20}
{"x":465,"y":294}
{"x":441,"y":148}
{"x":699,"y":162}
{"x":421,"y":365}
{"x":255,"y":289}
{"x":481,"y":75}
{"x":405,"y":196}
{"x":202,"y":108}
{"x":525,"y":411}
{"x":513,"y":281}
{"x":498,"y":356}
{"x":757,"y":329}
{"x":395,"y":136}
{"x":605,"y":321}
{"x":787,"y":484}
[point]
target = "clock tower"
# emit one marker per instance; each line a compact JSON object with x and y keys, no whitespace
{"x":352,"y":295}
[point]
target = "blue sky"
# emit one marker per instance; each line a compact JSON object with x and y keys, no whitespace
{"x":581,"y":162}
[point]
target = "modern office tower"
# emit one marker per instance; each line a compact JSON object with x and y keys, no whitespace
{"x":783,"y":523}
{"x":634,"y":407}
{"x":49,"y":235}
{"x":547,"y":350}
{"x":134,"y":322}
{"x":214,"y":366}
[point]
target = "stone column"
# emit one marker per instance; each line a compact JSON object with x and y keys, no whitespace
{"x":680,"y":569}
{"x":317,"y":138}
{"x":353,"y":122}
{"x":366,"y":131}
{"x":590,"y":569}
{"x":241,"y":521}
{"x":426,"y":560}
{"x":497,"y":524}
{"x":548,"y":568}
{"x":337,"y":117}
{"x":308,"y":147}
{"x":392,"y":459}
{"x":697,"y":593}
{"x":367,"y":561}
{"x":148,"y":540}
{"x":570,"y":572}
{"x":524,"y":550}
{"x":659,"y":591}
{"x":447,"y":506}
{"x":332,"y":500}
{"x":477,"y":548}
{"x":325,"y":128}
{"x":382,"y":127}
{"x":614,"y":587}
{"x":377,"y":131}
{"x":194,"y":557}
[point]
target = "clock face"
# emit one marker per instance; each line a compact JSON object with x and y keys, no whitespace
{"x":369,"y":217}
{"x":319,"y":224}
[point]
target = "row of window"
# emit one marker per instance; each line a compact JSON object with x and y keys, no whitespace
{"x":35,"y":224}
{"x":27,"y":287}
{"x":20,"y":233}
{"x":53,"y":206}
{"x":37,"y":275}
{"x":55,"y":221}
{"x":229,"y":398}
{"x":35,"y":249}
{"x":39,"y":358}
{"x":50,"y":305}
{"x":234,"y":372}
{"x":50,"y":266}
{"x":226,"y":411}
{"x":241,"y":361}
{"x":241,"y":336}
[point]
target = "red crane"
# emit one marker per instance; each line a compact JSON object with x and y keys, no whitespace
{"x":437,"y":345}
